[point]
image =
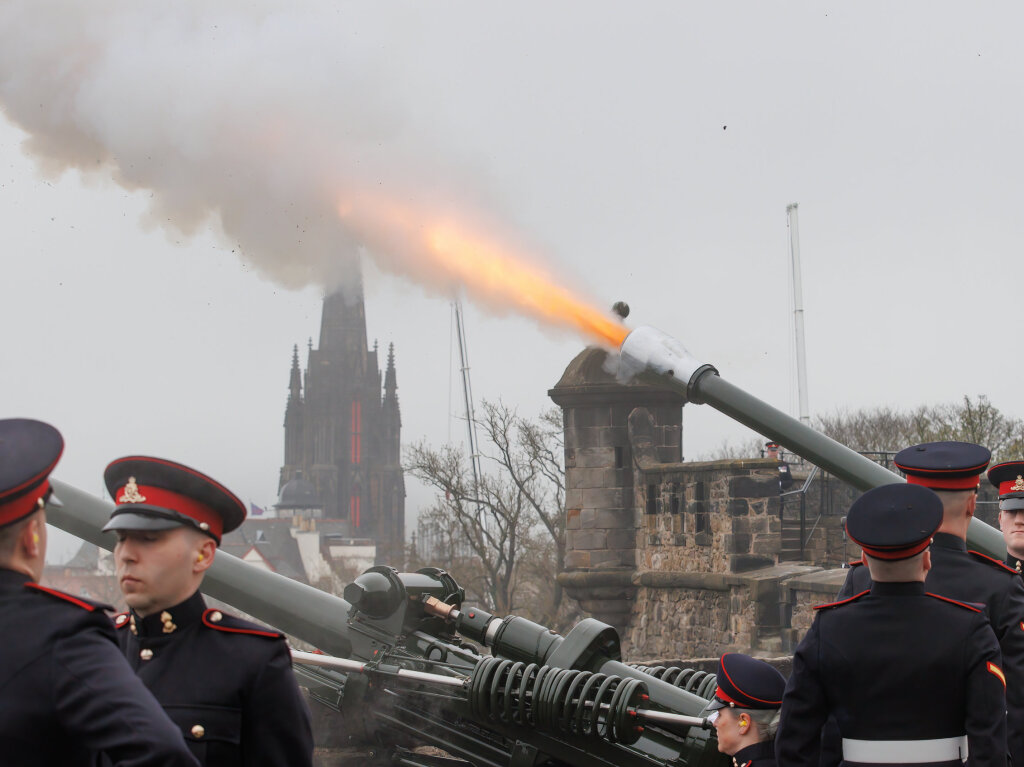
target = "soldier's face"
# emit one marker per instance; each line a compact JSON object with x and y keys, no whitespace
{"x":1012,"y":525}
{"x":155,"y":568}
{"x":727,"y":728}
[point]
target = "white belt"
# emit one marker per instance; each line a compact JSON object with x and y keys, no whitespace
{"x":905,"y":751}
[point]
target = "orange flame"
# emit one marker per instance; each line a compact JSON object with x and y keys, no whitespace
{"x":486,"y":269}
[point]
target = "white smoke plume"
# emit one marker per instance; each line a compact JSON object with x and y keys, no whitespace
{"x":268,"y":124}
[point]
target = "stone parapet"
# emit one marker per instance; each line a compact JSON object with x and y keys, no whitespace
{"x":687,"y":614}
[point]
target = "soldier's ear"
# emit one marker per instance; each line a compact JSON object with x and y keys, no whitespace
{"x":204,"y":554}
{"x":32,"y":536}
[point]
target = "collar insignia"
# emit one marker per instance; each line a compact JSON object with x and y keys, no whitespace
{"x":168,"y":621}
{"x":131,"y":493}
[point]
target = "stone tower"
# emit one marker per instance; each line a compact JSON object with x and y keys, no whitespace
{"x":343,"y":428}
{"x":600,"y":496}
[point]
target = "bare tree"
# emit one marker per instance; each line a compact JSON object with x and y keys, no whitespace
{"x":888,"y":429}
{"x":751,"y":447}
{"x":511,"y":524}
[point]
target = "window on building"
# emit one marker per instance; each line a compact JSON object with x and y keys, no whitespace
{"x":652,"y":499}
{"x":353,"y":511}
{"x":357,"y":432}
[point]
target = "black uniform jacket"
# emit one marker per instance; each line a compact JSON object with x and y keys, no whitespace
{"x":758,"y":755}
{"x":1013,"y":563}
{"x":896,"y":664}
{"x":66,"y":692}
{"x":973,"y":577}
{"x":227,"y":683}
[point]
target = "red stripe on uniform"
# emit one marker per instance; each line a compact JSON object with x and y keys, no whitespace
{"x":994,"y":669}
{"x":61,"y":595}
{"x":219,"y":627}
{"x":953,"y":601}
{"x":842,"y":601}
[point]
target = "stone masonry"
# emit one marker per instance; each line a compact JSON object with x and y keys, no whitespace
{"x":683,"y":559}
{"x":600,"y":495}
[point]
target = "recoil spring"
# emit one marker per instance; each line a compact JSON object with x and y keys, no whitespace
{"x":700,"y":683}
{"x":557,"y":699}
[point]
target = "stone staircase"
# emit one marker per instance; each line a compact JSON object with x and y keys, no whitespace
{"x":789,"y":548}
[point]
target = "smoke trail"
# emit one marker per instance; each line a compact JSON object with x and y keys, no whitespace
{"x":276,"y":127}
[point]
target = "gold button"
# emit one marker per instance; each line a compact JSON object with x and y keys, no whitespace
{"x":203,"y":526}
{"x":198,"y":731}
{"x":165,"y":617}
{"x":216,"y":616}
{"x":145,"y":653}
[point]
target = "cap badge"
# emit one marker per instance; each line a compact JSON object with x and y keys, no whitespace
{"x":131,"y":493}
{"x":1018,"y":486}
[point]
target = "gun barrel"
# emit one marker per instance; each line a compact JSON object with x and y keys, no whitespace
{"x":662,"y":360}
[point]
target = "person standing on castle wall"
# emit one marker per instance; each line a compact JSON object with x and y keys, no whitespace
{"x":66,"y":692}
{"x":771,"y":450}
{"x":745,"y":709}
{"x":1008,"y":477}
{"x":953,"y":470}
{"x":227,"y":683}
{"x":909,"y":677}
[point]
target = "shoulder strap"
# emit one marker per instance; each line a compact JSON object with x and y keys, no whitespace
{"x":77,"y":601}
{"x":843,"y":601}
{"x":956,"y":602}
{"x":991,"y":561}
{"x":220,"y":621}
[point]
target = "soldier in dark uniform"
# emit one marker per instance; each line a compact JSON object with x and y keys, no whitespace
{"x":1009,"y":478}
{"x":745,"y":709}
{"x":953,"y":470}
{"x":785,"y":475}
{"x":909,"y":677}
{"x":66,"y":693}
{"x":227,"y":683}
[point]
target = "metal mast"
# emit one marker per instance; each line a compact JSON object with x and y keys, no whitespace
{"x":467,"y":393}
{"x":798,"y":313}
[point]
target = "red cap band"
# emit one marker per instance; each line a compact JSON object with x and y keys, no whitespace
{"x":1015,"y":485}
{"x":168,"y":499}
{"x":893,"y":554}
{"x":23,"y":505}
{"x":723,"y":695}
{"x":945,"y":483}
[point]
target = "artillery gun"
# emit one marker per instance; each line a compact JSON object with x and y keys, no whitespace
{"x":401,"y":670}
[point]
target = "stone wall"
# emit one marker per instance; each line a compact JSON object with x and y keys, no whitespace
{"x":801,"y":594}
{"x":687,"y":615}
{"x":707,"y":517}
{"x":711,"y":569}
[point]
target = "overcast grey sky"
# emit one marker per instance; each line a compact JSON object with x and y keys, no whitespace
{"x":643,"y":152}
